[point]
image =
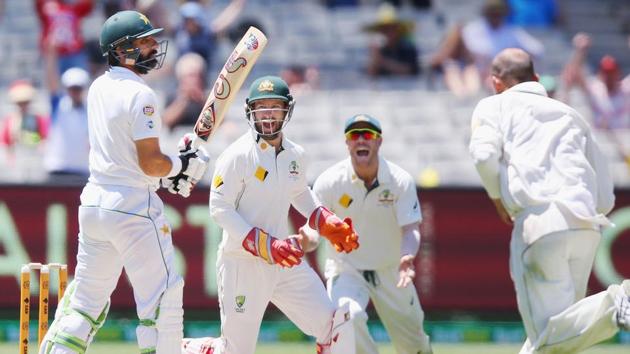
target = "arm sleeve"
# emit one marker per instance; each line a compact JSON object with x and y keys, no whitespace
{"x":605,"y":186}
{"x":408,"y":206}
{"x":486,"y":146}
{"x":145,"y":118}
{"x":227,"y":186}
{"x":410,"y":239}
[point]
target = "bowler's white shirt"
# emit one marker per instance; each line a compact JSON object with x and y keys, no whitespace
{"x":377,"y":215}
{"x":253,"y":186}
{"x":121,"y":110}
{"x":539,"y":156}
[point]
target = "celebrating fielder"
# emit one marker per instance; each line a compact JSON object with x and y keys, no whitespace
{"x":256,"y":180}
{"x":381,"y":199}
{"x":545,"y":174}
{"x":121,"y":219}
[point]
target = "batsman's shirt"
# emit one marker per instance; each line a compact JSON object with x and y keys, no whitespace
{"x":121,"y":110}
{"x":377,"y":215}
{"x":253,"y":186}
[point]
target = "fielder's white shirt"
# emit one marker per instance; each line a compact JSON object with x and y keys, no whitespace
{"x":377,"y":215}
{"x":254,"y":187}
{"x":121,"y":110}
{"x":538,"y":155}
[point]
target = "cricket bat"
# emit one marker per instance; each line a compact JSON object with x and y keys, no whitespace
{"x":229,"y":82}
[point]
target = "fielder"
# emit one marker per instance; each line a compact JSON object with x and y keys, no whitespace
{"x":544,"y":172}
{"x":381,"y":199}
{"x":256,"y":180}
{"x":121,"y":219}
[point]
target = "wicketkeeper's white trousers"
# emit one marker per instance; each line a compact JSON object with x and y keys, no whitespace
{"x":550,"y":277}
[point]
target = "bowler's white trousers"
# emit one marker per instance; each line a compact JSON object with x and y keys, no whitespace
{"x":550,"y":277}
{"x":398,"y":308}
{"x":123,"y":227}
{"x":246,"y":286}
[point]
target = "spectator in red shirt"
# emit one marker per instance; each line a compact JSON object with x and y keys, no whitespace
{"x":61,"y":26}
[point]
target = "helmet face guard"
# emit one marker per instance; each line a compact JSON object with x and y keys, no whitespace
{"x":131,"y":56}
{"x":266,"y":121}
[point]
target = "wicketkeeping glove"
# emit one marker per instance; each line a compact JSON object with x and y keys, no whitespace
{"x":340,"y":233}
{"x":286,"y":253}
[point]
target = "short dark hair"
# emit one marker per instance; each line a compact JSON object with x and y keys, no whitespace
{"x":513,"y":66}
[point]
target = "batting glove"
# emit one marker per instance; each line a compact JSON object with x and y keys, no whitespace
{"x":194,"y":165}
{"x":340,"y":233}
{"x":286,"y":253}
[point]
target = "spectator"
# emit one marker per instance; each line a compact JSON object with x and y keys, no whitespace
{"x":61,"y":26}
{"x":489,"y":35}
{"x":457,"y":64}
{"x":198,"y":35}
{"x":23,"y":127}
{"x":300,"y":78}
{"x":68,"y":143}
{"x":608,"y":94}
{"x":184,"y":106}
{"x":396,"y":54}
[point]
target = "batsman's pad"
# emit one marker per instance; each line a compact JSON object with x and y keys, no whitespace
{"x":170,"y":319}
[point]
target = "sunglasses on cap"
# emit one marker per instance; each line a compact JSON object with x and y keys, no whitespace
{"x":367,"y":134}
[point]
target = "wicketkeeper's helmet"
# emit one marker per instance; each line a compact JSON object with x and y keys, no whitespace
{"x":268,"y":87}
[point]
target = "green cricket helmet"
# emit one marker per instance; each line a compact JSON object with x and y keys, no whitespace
{"x":120,"y":30}
{"x":265,"y":121}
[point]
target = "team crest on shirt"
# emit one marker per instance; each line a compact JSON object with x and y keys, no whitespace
{"x":148,"y":110}
{"x":386,"y":198}
{"x":240,"y":302}
{"x":294,"y":170}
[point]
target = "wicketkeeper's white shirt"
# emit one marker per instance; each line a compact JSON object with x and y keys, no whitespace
{"x":538,"y":155}
{"x":377,"y":215}
{"x":121,"y":110}
{"x":253,"y":186}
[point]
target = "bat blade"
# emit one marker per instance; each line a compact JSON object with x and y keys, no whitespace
{"x":229,"y":82}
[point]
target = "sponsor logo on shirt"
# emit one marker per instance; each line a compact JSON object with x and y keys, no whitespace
{"x":150,"y":124}
{"x":261,"y":173}
{"x":148,"y":110}
{"x":345,"y":200}
{"x":240,"y":302}
{"x":386,"y":198}
{"x":294,"y":172}
{"x":217,"y":181}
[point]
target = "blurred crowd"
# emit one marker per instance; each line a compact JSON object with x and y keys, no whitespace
{"x":460,"y":63}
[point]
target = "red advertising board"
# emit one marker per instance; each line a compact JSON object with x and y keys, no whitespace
{"x":462,"y":265}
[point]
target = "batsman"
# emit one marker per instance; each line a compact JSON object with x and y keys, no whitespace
{"x":121,"y":218}
{"x":256,"y":180}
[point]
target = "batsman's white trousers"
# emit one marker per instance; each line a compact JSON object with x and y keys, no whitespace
{"x":398,"y":308}
{"x":247,"y":285}
{"x":550,"y":277}
{"x":122,"y":227}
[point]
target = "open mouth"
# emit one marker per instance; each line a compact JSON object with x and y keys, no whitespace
{"x":363,"y":152}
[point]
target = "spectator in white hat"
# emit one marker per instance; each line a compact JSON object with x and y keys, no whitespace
{"x":68,"y":144}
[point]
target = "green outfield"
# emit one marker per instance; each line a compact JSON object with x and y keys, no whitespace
{"x":305,"y":348}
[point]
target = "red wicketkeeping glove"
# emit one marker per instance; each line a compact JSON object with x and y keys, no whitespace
{"x":340,"y":233}
{"x":286,"y":253}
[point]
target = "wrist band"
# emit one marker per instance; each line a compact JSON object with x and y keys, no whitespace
{"x":176,"y":168}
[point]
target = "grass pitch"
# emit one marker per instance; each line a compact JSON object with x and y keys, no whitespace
{"x":309,"y":348}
